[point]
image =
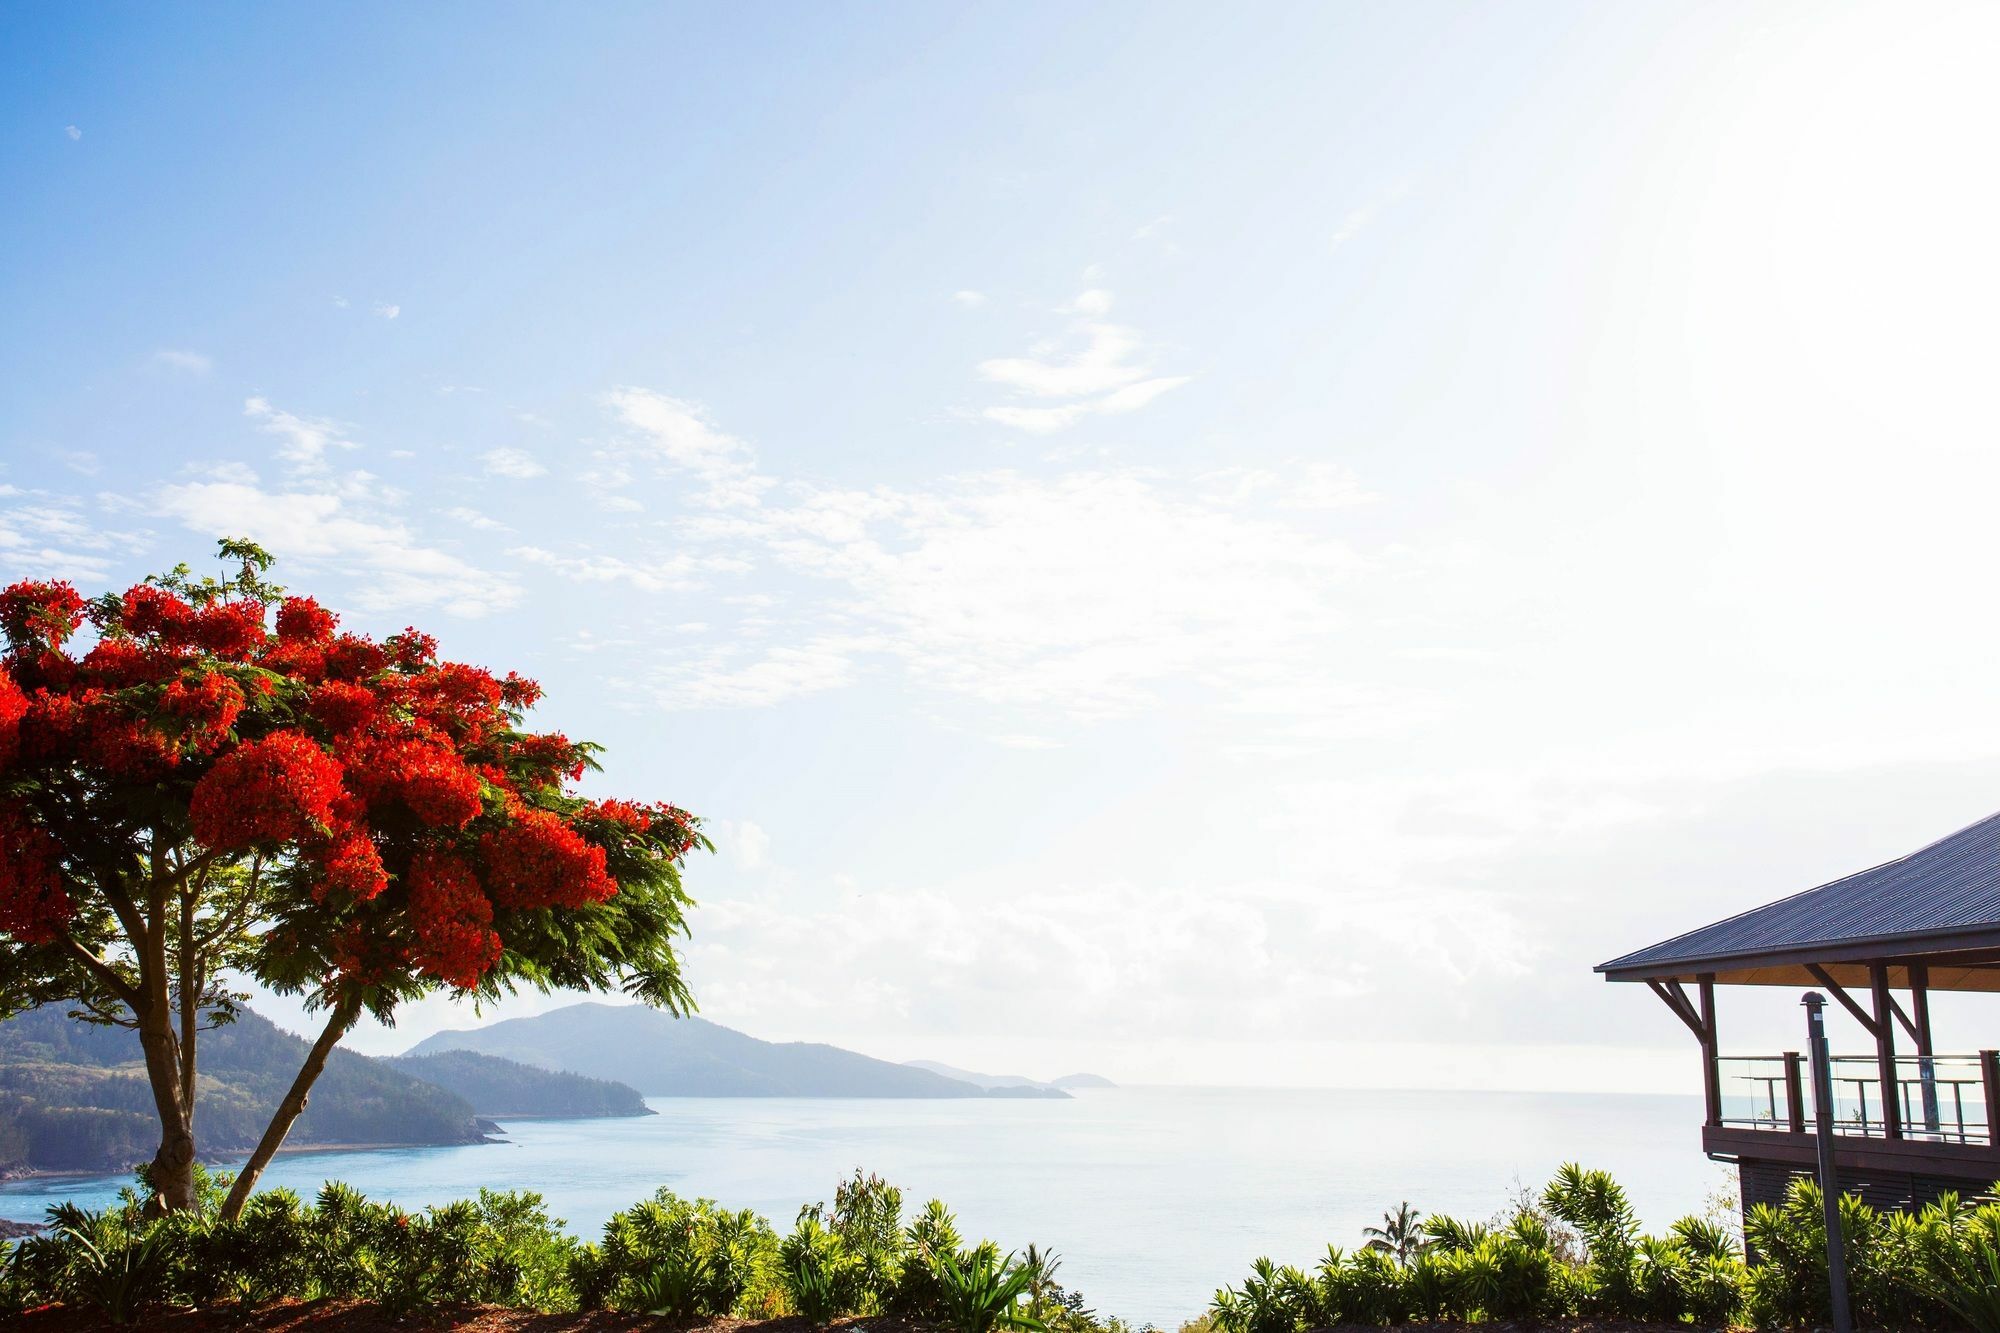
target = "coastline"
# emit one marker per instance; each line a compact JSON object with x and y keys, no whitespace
{"x":225,"y":1160}
{"x":488,"y":1123}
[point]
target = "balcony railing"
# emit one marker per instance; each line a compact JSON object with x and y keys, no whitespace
{"x":1941,"y":1098}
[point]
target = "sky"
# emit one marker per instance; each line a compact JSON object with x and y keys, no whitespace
{"x":1207,"y":544}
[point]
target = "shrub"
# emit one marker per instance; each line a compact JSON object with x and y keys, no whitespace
{"x":106,"y":1265}
{"x":982,"y":1292}
{"x":867,"y":1215}
{"x":669,"y":1255}
{"x":814,"y":1264}
{"x":931,"y":1235}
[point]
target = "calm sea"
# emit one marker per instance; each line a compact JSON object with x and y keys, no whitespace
{"x":1152,"y":1196}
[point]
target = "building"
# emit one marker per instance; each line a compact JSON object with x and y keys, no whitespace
{"x":1909,"y":1123}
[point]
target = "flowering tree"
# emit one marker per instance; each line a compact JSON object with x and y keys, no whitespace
{"x":209,"y":791}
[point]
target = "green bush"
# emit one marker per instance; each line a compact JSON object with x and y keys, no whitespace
{"x":981,"y":1292}
{"x":1576,"y":1251}
{"x":867,"y":1215}
{"x":679,"y":1257}
{"x":931,"y":1235}
{"x":817,"y":1271}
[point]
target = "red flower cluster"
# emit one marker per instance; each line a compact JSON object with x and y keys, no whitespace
{"x":452,"y":920}
{"x":39,"y":615}
{"x":341,"y":707}
{"x":550,"y":756}
{"x":13,"y":708}
{"x":539,"y":861}
{"x":519,"y":692}
{"x":675,"y":826}
{"x":33,"y":906}
{"x":397,"y":786}
{"x":150,"y":612}
{"x":234,"y":630}
{"x":353,"y":658}
{"x":278,"y":789}
{"x":461,"y":701}
{"x":428,"y":778}
{"x":303,"y":620}
{"x":353,"y":866}
{"x":206,"y":705}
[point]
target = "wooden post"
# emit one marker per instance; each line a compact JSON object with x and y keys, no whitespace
{"x":1989,"y":1078}
{"x":1920,"y":1015}
{"x":1795,"y":1093}
{"x":1711,"y":1054}
{"x":1885,"y":1052}
{"x":1829,"y":1173}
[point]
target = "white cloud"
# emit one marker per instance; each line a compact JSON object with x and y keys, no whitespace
{"x":516,"y":463}
{"x":179,"y":358}
{"x":1096,"y":367}
{"x":1300,"y":485}
{"x":1092,"y":304}
{"x":387,"y":311}
{"x":1100,"y":366}
{"x":743,"y":676}
{"x":677,"y":572}
{"x":679,"y":433}
{"x":1350,"y":226}
{"x":1038,"y":420}
{"x":391,"y":568}
{"x":1358,"y":219}
{"x":340,"y":303}
{"x":472,"y":518}
{"x":971,"y":300}
{"x":305,"y":439}
{"x":747,"y":842}
{"x":73,"y":132}
{"x":1135,"y":396}
{"x":50,"y":536}
{"x":80,"y":461}
{"x":1025,"y":741}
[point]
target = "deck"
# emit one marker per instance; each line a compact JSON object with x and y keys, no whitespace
{"x":1938,"y":1135}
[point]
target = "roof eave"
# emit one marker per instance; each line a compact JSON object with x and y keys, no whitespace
{"x":1860,"y":948}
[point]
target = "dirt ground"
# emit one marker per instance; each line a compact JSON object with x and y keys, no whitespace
{"x":356,"y":1317}
{"x":352,"y":1317}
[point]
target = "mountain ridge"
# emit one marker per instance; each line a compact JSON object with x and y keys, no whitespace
{"x":1008,"y":1082}
{"x":664,"y":1056}
{"x":74,"y":1096}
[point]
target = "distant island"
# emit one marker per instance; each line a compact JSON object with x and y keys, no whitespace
{"x":507,"y":1090}
{"x":664,"y":1056}
{"x":73,"y":1096}
{"x":1011,"y":1084}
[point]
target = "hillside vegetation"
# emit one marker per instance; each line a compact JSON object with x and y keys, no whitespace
{"x":74,"y":1096}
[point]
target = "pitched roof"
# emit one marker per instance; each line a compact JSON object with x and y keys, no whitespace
{"x":1937,"y":900}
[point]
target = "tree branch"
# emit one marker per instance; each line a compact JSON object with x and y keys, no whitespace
{"x":105,"y":974}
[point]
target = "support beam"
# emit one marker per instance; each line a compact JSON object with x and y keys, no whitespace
{"x":1885,"y":1052}
{"x":1909,"y":1024}
{"x":1920,"y":1033}
{"x":1711,"y":1051}
{"x":1700,"y":1019}
{"x":1839,"y":992}
{"x":1676,"y":999}
{"x":1795,"y":1093}
{"x":1989,"y":1078}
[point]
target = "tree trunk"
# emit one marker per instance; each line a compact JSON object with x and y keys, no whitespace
{"x":290,"y":1108}
{"x":172,"y":1173}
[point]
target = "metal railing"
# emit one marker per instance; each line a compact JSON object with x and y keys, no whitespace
{"x":1939,"y":1098}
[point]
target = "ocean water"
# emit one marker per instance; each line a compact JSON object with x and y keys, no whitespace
{"x":1152,"y":1196}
